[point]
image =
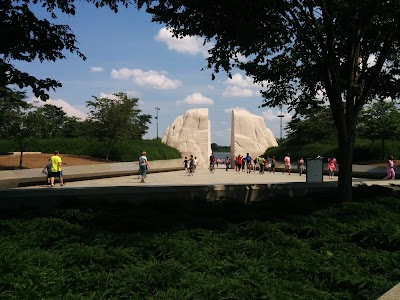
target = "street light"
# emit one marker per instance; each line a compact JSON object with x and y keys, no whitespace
{"x":157,"y":109}
{"x":281,"y":116}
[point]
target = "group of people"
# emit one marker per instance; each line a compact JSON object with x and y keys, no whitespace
{"x":190,"y":164}
{"x":244,"y":164}
{"x":248,"y":164}
{"x":216,"y":161}
{"x":53,"y":169}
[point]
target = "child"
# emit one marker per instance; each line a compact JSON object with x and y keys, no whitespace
{"x":185,"y":164}
{"x":47,"y":170}
{"x":390,"y":169}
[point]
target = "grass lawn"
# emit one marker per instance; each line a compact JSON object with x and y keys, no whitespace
{"x":210,"y":251}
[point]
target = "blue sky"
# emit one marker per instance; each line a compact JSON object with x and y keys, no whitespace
{"x":126,"y":52}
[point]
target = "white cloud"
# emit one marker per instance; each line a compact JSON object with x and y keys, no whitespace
{"x":271,"y":116}
{"x":238,"y":80}
{"x":190,"y":44}
{"x":241,"y":86}
{"x":123,"y":74}
{"x":229,"y":110}
{"x":108,"y":96}
{"x":96,"y":69}
{"x":151,"y":78}
{"x":133,"y":94}
{"x":67,"y":108}
{"x":234,"y":91}
{"x":195,"y":99}
{"x":222,"y":133}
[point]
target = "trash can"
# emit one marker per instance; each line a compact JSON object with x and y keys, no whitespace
{"x":315,"y":170}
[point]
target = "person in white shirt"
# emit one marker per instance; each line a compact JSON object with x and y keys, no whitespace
{"x":143,"y":165}
{"x":195,"y":163}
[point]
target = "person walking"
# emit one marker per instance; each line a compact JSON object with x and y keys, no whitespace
{"x":185,"y":164}
{"x":212,"y":162}
{"x":268,"y":163}
{"x":143,"y":165}
{"x":300,"y":165}
{"x":331,"y":166}
{"x":195,"y":163}
{"x":56,"y":168}
{"x":261,"y":164}
{"x":239,"y":163}
{"x":243,"y":164}
{"x":273,"y":161}
{"x":227,"y":163}
{"x":248,"y":163}
{"x":286,"y":161}
{"x":191,"y":165}
{"x":391,"y":174}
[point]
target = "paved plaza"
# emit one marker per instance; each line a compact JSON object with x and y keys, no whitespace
{"x":204,"y":177}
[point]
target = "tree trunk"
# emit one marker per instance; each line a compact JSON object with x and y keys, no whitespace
{"x":20,"y":158}
{"x":108,"y":153}
{"x":382,"y":148}
{"x":345,"y":183}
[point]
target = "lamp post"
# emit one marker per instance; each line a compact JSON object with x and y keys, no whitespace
{"x":157,"y":109}
{"x":281,"y":116}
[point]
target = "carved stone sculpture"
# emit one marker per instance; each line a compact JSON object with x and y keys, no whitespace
{"x":191,"y":135}
{"x":249,"y":134}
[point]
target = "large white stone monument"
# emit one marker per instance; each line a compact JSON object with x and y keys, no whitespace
{"x":191,"y":135}
{"x":249,"y":134}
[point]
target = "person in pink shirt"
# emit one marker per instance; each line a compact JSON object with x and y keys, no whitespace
{"x":390,"y":169}
{"x":331,"y":166}
{"x":286,"y":161}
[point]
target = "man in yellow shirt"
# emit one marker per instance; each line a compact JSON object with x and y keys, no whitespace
{"x":56,"y":168}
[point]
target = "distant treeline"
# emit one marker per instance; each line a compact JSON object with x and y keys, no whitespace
{"x":364,"y":150}
{"x":216,"y":148}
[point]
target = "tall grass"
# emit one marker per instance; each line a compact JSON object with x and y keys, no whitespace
{"x":120,"y":151}
{"x":212,"y":251}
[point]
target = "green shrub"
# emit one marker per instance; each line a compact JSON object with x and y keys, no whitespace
{"x":150,"y":251}
{"x":306,"y":151}
{"x":364,"y":150}
{"x":8,"y":146}
{"x":120,"y":151}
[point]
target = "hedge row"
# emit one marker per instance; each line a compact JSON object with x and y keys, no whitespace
{"x":364,"y":150}
{"x":120,"y":151}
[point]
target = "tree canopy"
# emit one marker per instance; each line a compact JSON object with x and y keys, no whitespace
{"x":25,"y":37}
{"x":343,"y":50}
{"x":380,"y":120}
{"x":316,"y":126}
{"x":117,"y":119}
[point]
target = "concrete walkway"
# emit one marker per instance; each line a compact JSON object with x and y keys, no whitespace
{"x":203,"y":177}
